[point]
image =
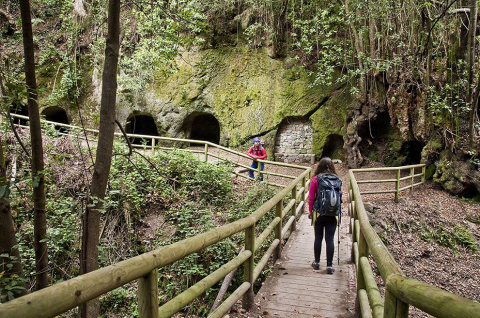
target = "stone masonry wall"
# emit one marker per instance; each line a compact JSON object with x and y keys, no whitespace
{"x":294,"y":141}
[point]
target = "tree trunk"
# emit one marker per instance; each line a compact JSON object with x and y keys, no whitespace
{"x":91,"y":222}
{"x":472,"y":28}
{"x":40,"y":222}
{"x":7,"y":230}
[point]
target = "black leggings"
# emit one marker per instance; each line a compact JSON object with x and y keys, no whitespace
{"x":329,"y":223}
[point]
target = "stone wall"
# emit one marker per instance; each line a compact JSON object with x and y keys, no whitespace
{"x":294,"y":141}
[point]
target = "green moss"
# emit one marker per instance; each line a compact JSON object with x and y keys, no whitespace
{"x":430,"y":171}
{"x":372,"y":156}
{"x":248,"y":92}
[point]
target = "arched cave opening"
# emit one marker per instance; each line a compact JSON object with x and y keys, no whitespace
{"x":333,"y":147}
{"x":205,"y":127}
{"x":383,"y":142}
{"x":412,"y":152}
{"x":141,"y":125}
{"x":57,"y":115}
{"x":376,"y":137}
{"x":19,"y":110}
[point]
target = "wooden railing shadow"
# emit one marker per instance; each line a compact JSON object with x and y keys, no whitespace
{"x":288,"y":203}
{"x":400,"y":291}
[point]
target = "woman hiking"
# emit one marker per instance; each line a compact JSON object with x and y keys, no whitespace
{"x":324,"y":186}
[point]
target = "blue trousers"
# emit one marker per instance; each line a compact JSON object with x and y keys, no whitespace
{"x":255,"y":166}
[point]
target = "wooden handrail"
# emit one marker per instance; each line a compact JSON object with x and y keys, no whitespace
{"x":206,"y":144}
{"x":397,"y":179}
{"x":401,"y":291}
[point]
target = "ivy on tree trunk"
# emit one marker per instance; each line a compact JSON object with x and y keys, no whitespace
{"x":98,"y":186}
{"x":40,"y":221}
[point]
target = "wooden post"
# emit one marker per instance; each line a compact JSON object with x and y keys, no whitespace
{"x":278,"y":230}
{"x":148,"y":295}
{"x":423,"y":174}
{"x":206,"y":152}
{"x":352,"y":215}
{"x":397,"y":186}
{"x":153,"y":146}
{"x":304,"y":193}
{"x":294,"y":208}
{"x":412,"y":173}
{"x":249,"y":267}
{"x":393,"y":307}
{"x":259,"y":169}
{"x":362,"y":251}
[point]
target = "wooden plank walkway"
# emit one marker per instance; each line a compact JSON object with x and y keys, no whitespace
{"x":294,"y":289}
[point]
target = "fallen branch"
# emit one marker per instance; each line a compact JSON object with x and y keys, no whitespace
{"x":223,"y":290}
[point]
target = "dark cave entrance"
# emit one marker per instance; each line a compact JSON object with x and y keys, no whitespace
{"x":412,"y":152}
{"x":383,"y":142}
{"x":19,"y":110}
{"x":57,"y":115}
{"x":333,"y":147}
{"x":141,"y":125}
{"x":205,"y":127}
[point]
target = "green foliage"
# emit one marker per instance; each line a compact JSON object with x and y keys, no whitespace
{"x":451,"y":238}
{"x":465,"y":238}
{"x":11,"y":285}
{"x":122,"y":300}
{"x":315,"y":35}
{"x":154,"y":41}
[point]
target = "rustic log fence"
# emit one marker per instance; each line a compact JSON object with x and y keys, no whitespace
{"x":168,"y":144}
{"x":400,"y":291}
{"x":411,"y":180}
{"x":61,"y":297}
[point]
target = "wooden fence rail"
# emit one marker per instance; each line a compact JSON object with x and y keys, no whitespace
{"x":92,"y":134}
{"x":401,"y":291}
{"x":411,"y":177}
{"x":61,"y":297}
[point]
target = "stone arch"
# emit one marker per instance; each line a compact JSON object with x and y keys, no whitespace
{"x":203,"y":126}
{"x":57,"y":115}
{"x":141,"y":124}
{"x":294,"y":141}
{"x":333,"y":147}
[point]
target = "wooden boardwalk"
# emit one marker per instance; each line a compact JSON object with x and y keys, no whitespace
{"x":294,"y":289}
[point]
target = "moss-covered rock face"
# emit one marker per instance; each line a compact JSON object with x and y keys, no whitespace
{"x":456,"y":175}
{"x":247,"y":92}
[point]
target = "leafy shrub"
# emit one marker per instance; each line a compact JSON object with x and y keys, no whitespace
{"x":451,"y":238}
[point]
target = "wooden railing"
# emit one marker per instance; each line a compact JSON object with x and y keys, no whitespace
{"x":400,"y":291}
{"x":69,"y":294}
{"x":181,"y":144}
{"x":399,"y":187}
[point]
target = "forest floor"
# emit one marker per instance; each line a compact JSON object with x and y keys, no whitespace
{"x":425,"y":233}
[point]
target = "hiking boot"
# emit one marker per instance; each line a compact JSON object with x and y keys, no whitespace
{"x":316,"y":265}
{"x":330,"y":270}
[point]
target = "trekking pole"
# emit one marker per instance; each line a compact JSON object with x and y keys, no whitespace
{"x":338,"y":245}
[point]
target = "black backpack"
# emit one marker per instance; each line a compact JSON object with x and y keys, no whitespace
{"x":328,"y":199}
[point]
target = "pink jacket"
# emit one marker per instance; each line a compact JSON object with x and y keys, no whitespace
{"x":312,"y":193}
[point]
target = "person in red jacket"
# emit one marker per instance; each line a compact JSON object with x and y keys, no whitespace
{"x":256,"y":152}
